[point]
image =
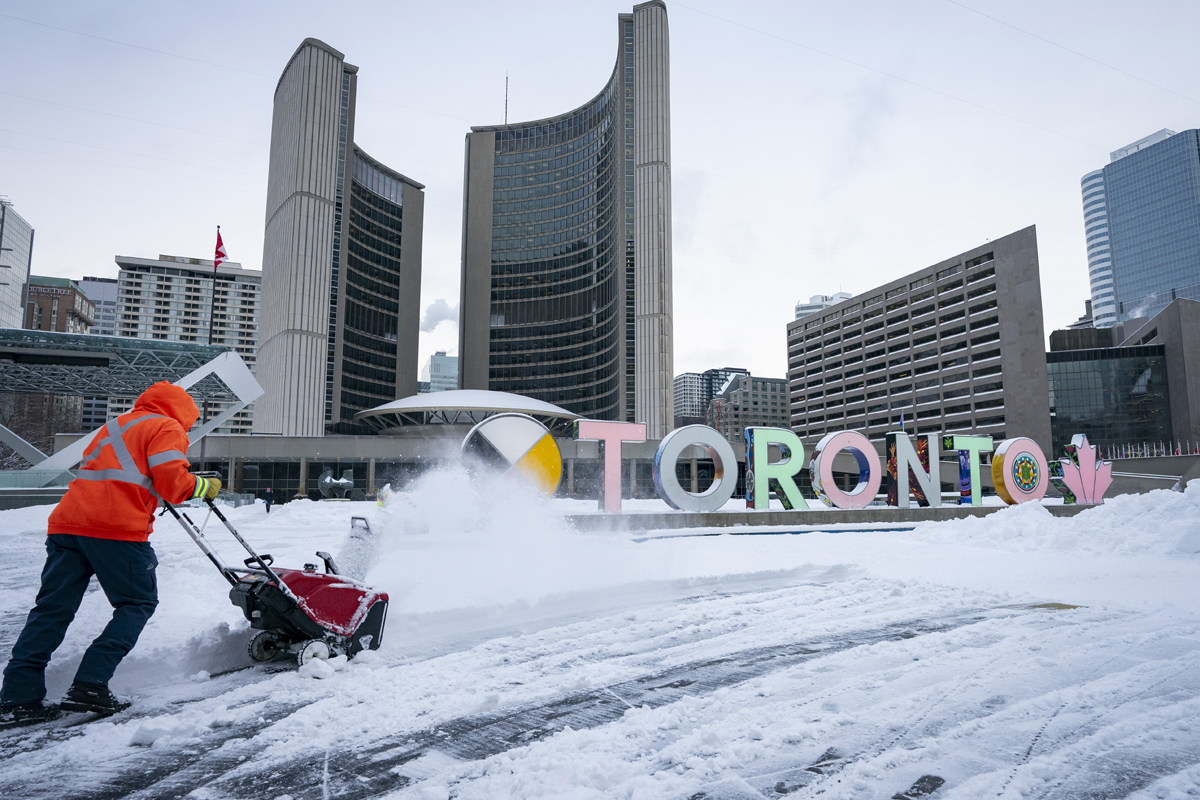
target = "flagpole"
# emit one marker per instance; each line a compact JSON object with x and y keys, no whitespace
{"x":212,"y":302}
{"x":212,"y":317}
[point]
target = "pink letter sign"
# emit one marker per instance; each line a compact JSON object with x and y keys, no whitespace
{"x":869,"y":474}
{"x":610,"y":435}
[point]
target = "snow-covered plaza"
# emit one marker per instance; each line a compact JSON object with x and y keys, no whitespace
{"x":1014,"y":655}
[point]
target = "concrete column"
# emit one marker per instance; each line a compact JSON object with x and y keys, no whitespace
{"x":475,"y":297}
{"x":232,"y":474}
{"x":653,"y":313}
{"x":571,"y":477}
{"x":371,"y":477}
{"x":632,"y":477}
{"x":302,"y":490}
{"x":695,"y":477}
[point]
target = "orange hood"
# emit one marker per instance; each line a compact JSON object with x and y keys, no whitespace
{"x":171,"y":401}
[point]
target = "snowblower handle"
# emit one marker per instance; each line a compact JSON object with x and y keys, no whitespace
{"x":256,"y":558}
{"x":198,"y":537}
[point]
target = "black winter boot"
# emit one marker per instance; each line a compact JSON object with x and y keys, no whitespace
{"x":92,"y":697}
{"x":26,"y":713}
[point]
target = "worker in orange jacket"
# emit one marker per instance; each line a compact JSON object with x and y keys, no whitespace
{"x":102,"y":527}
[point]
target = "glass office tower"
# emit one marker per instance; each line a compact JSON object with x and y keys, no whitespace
{"x":16,"y":256}
{"x":566,"y":289}
{"x":1142,"y":215}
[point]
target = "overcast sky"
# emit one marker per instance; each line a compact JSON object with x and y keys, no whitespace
{"x":817,"y":146}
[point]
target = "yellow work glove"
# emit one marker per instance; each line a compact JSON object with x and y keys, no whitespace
{"x":207,"y":488}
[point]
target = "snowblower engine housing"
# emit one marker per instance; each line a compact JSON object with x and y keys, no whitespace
{"x":339,"y":611}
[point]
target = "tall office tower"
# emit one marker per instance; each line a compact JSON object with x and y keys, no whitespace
{"x":1142,"y":221}
{"x":440,"y":372}
{"x":341,"y":260}
{"x":566,"y":269}
{"x":169,"y":299}
{"x":16,"y":256}
{"x":689,"y":402}
{"x":103,"y":294}
{"x":1099,"y":250}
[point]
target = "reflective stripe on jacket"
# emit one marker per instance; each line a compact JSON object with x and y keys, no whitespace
{"x":136,"y":459}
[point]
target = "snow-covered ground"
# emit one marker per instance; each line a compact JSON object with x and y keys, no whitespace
{"x":1017,"y":655}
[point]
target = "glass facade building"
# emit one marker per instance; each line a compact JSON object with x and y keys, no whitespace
{"x":370,"y":274}
{"x":16,"y":257}
{"x":1142,"y":216}
{"x":561,"y":237}
{"x":566,"y":246}
{"x":103,"y":293}
{"x":1116,"y":395}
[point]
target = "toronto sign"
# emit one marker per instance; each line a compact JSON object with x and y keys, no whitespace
{"x":911,"y":469}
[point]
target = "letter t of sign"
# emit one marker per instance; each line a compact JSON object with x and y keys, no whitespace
{"x":610,"y":435}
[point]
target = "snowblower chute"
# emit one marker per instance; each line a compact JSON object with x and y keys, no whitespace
{"x":300,"y":611}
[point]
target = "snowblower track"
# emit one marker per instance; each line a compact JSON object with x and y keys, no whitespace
{"x":378,"y":769}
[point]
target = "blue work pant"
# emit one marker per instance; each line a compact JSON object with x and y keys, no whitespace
{"x":125,"y":571}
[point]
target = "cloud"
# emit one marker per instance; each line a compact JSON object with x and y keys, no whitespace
{"x":439,"y":311}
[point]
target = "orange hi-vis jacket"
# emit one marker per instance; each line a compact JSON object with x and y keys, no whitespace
{"x":136,"y":458}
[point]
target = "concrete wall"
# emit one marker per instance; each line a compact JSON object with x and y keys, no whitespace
{"x":1179,"y":331}
{"x":1022,"y":338}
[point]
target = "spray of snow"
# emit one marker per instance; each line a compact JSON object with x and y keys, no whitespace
{"x":454,"y":539}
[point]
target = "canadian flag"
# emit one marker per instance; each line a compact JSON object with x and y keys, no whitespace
{"x":221,"y":257}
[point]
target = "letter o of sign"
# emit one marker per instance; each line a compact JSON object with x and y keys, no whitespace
{"x":869,"y":472}
{"x":666,"y":482}
{"x":1019,"y":471}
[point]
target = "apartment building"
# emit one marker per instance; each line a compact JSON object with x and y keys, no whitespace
{"x":169,"y":298}
{"x":748,"y":401}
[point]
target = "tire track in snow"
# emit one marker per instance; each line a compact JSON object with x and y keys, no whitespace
{"x":156,"y":773}
{"x":1056,"y":743}
{"x":1127,"y":767}
{"x":380,"y":769}
{"x":1097,"y":775}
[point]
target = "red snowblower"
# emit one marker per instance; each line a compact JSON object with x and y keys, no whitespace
{"x":301,"y":612}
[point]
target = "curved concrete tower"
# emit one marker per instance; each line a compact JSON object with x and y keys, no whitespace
{"x":341,"y":290}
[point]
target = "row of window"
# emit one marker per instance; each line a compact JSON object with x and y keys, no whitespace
{"x":944,"y":284}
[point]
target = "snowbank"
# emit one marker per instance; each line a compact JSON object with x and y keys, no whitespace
{"x":1155,"y":523}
